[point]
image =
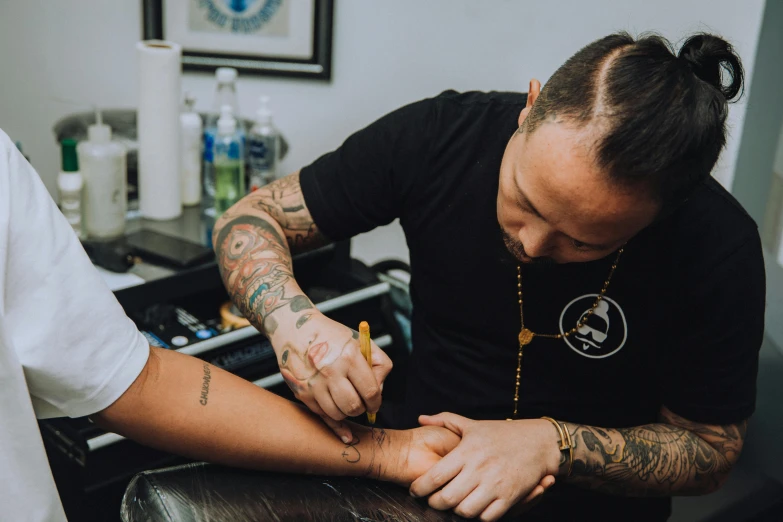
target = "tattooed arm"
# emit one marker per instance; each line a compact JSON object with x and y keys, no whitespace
{"x":497,"y":463}
{"x":320,"y":359}
{"x":674,"y":457}
{"x":188,"y":407}
{"x":253,"y":241}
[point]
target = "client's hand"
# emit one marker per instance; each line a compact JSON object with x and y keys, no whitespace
{"x":416,"y":451}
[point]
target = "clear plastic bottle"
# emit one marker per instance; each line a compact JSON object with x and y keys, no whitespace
{"x":69,"y":185}
{"x":104,"y":170}
{"x":229,"y":162}
{"x":225,"y":94}
{"x":262,"y":147}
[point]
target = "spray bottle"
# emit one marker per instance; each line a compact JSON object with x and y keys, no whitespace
{"x":225,"y":94}
{"x":263,"y":145}
{"x":103,"y":165}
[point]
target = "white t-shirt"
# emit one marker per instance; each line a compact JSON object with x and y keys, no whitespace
{"x":66,"y":346}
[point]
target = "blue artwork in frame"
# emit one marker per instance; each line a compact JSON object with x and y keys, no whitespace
{"x":267,"y":37}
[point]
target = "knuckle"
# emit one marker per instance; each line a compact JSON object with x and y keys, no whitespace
{"x":463,"y":512}
{"x":355,"y":409}
{"x":373,"y":393}
{"x":327,"y":372}
{"x":351,"y":351}
{"x":448,"y":499}
{"x":486,"y":518}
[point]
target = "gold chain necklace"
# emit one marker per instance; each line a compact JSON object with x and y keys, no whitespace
{"x":526,"y":335}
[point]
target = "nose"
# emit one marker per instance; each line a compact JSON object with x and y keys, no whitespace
{"x":535,"y":240}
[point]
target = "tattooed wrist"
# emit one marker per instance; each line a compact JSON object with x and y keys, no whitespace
{"x":371,"y":454}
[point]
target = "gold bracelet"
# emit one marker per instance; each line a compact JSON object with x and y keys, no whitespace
{"x":565,"y":442}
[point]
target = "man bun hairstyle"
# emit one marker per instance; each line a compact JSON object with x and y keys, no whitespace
{"x":661,"y":117}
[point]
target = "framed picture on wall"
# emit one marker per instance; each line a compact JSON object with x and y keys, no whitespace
{"x":267,"y":37}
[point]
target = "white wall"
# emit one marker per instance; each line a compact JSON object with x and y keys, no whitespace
{"x":385,"y":54}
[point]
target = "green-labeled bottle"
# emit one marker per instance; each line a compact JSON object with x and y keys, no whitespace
{"x":229,"y":162}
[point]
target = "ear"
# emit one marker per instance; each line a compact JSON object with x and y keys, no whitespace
{"x":532,"y":95}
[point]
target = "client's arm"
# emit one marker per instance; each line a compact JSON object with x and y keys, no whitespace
{"x":186,"y":406}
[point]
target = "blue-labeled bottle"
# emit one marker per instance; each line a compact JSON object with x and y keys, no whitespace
{"x":229,"y":162}
{"x":225,"y":94}
{"x":262,"y":148}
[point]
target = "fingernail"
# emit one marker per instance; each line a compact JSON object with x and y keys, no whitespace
{"x":346,"y":439}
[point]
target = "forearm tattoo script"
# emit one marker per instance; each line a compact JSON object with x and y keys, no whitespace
{"x":655,"y":459}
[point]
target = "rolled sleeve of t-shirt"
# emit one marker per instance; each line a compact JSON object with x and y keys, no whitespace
{"x":78,"y":349}
{"x":366,"y":181}
{"x":711,"y":368}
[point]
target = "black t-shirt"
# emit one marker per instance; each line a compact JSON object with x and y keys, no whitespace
{"x":682,"y":321}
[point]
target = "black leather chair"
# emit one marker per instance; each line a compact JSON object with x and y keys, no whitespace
{"x":207,"y":493}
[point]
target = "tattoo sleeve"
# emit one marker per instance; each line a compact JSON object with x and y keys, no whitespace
{"x":674,"y":457}
{"x":253,"y":242}
{"x":283,"y":201}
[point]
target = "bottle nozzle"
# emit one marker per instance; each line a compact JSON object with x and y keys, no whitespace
{"x":99,"y":132}
{"x":263,"y":114}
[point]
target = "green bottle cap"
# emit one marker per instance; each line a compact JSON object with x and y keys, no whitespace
{"x":70,"y":162}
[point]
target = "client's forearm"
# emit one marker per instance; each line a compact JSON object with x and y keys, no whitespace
{"x":183,"y":405}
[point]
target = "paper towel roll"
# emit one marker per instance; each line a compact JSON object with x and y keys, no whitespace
{"x":158,"y":129}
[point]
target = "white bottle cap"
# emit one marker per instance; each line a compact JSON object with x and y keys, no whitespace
{"x":263,"y":114}
{"x":226,"y":124}
{"x":226,"y":74}
{"x":69,"y":181}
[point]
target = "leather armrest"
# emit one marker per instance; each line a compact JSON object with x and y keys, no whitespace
{"x":204,"y":492}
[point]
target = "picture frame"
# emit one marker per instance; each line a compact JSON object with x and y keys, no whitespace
{"x":289,"y":38}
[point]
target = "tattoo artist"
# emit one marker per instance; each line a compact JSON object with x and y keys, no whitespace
{"x":588,"y":301}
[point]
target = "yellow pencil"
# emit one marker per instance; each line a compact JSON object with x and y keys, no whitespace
{"x":364,"y":344}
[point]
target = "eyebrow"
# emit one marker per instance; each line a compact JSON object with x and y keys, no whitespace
{"x":524,"y":199}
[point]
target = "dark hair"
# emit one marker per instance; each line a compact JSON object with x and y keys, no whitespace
{"x":662,"y":117}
